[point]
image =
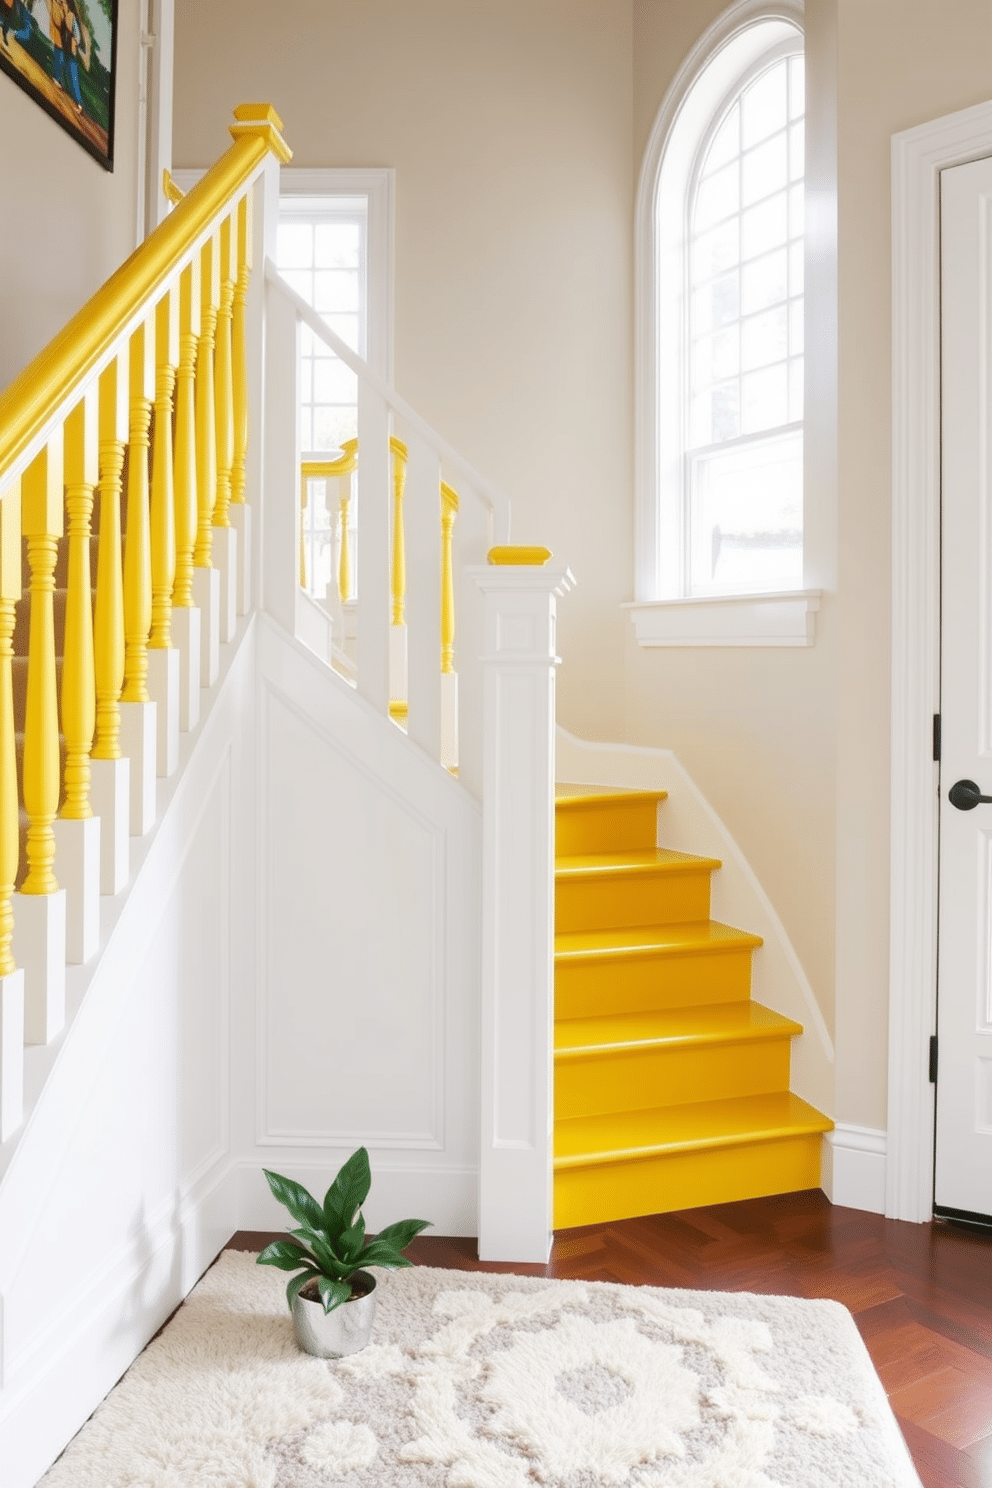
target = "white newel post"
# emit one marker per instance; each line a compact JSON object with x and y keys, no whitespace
{"x":519,"y":660}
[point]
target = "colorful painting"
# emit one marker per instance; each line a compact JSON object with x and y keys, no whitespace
{"x":64,"y":53}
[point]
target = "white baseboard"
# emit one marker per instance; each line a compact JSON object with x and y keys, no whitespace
{"x":61,"y":1385}
{"x":854,"y":1167}
{"x":448,"y":1197}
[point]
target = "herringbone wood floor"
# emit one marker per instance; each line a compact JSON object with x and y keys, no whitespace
{"x":920,"y":1294}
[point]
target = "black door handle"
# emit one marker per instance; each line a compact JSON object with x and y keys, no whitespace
{"x":966,"y":795}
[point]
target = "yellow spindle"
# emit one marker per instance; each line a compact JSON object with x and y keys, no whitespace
{"x":184,"y":474}
{"x":206,"y":421}
{"x":163,"y":516}
{"x":41,"y":512}
{"x":108,"y":610}
{"x":224,"y":390}
{"x":350,"y":447}
{"x":449,"y":510}
{"x":398,"y":450}
{"x":239,"y":351}
{"x":10,"y":593}
{"x":304,"y":492}
{"x":137,"y":543}
{"x":78,"y":673}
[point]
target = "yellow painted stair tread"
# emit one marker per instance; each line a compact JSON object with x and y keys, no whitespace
{"x":579,"y":797}
{"x":632,"y":864}
{"x":652,"y":940}
{"x":583,"y":1141}
{"x":671,"y":1028}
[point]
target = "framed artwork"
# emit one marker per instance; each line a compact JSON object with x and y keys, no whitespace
{"x":64,"y":54}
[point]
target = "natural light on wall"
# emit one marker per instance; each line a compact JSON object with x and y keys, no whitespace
{"x":743,"y":454}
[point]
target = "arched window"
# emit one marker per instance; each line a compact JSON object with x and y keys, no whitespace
{"x":720,"y":317}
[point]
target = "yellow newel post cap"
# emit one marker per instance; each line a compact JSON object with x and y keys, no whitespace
{"x":524,"y":557}
{"x":261,"y":119}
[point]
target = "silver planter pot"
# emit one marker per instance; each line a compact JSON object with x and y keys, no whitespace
{"x":343,"y":1330}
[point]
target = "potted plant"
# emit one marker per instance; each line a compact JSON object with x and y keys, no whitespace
{"x":332,"y":1298}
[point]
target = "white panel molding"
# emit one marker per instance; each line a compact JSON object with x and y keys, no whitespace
{"x":342,"y":723}
{"x":854,"y":1163}
{"x":267,"y":1133}
{"x":785,"y":619}
{"x":918,"y":157}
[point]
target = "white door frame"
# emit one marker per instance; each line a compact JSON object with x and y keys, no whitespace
{"x":918,"y":157}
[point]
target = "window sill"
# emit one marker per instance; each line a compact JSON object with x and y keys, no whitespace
{"x":787,"y":619}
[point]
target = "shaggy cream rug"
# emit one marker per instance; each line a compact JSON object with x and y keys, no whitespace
{"x":478,"y":1381}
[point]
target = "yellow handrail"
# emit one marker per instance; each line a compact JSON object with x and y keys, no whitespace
{"x":50,"y":382}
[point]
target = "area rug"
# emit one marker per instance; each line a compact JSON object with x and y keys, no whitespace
{"x":479,"y":1381}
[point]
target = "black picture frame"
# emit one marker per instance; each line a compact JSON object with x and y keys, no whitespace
{"x":75,"y":83}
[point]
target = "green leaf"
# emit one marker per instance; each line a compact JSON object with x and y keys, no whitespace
{"x":401,"y":1233}
{"x":293,"y":1196}
{"x":388,"y":1256}
{"x":285,"y":1254}
{"x":333,"y":1293}
{"x":347,"y":1193}
{"x":298,"y":1282}
{"x":351,"y":1241}
{"x":325,"y":1256}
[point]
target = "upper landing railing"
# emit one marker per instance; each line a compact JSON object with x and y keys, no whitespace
{"x":141,"y":440}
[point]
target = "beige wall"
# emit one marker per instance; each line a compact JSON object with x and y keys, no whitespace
{"x":517,"y":131}
{"x":509,"y":129}
{"x":66,"y":223}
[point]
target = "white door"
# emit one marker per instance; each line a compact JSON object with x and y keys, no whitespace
{"x":963,"y":1165}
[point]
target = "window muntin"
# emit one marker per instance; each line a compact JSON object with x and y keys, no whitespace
{"x":742,"y":485}
{"x":322,"y":253}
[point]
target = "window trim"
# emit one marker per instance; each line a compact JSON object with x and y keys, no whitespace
{"x":378,"y":185}
{"x":723,"y":53}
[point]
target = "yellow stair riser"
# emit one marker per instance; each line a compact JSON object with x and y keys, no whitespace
{"x":586,"y":987}
{"x":618,"y":901}
{"x":601,"y":1192}
{"x":606,"y":826}
{"x":591,"y":1085}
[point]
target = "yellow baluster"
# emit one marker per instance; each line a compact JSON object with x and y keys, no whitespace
{"x":224,"y":390}
{"x":41,"y":513}
{"x":137,"y":544}
{"x":348,"y":464}
{"x":163,"y":517}
{"x":398,"y":451}
{"x":304,"y":494}
{"x":239,"y":350}
{"x":108,"y":609}
{"x":10,"y":593}
{"x":78,"y":675}
{"x":206,"y":421}
{"x":449,"y":510}
{"x":185,"y":462}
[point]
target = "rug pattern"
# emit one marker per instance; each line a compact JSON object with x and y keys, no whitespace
{"x":479,"y":1381}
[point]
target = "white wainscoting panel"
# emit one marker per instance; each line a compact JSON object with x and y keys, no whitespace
{"x":366,"y":1024}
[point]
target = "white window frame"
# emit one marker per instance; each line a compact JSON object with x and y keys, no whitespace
{"x":377,"y":187}
{"x":721,"y":61}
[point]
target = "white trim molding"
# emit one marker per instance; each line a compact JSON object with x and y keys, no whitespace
{"x":918,"y":157}
{"x":854,"y":1164}
{"x":732,"y":620}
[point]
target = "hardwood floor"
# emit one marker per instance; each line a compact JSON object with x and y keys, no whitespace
{"x":920,"y":1294}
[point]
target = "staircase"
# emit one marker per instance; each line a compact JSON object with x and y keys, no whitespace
{"x":671,"y":1084}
